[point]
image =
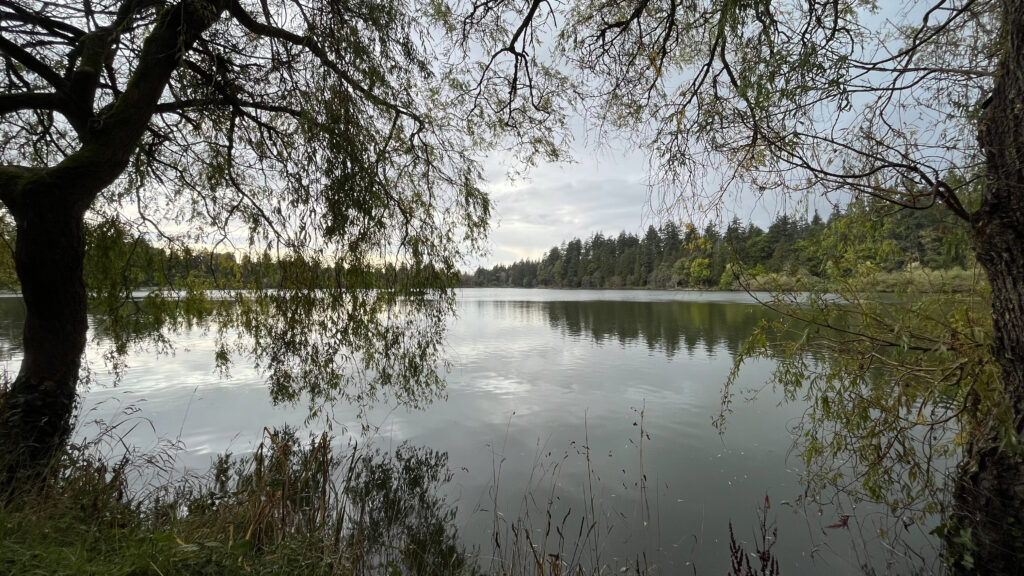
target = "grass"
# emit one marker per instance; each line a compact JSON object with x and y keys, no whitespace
{"x":291,"y":507}
{"x":295,"y":507}
{"x":288,"y":509}
{"x":544,"y":537}
{"x":915,"y":279}
{"x":311,"y":508}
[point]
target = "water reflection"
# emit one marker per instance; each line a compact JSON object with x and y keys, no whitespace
{"x":661,"y":326}
{"x":293,"y":506}
{"x":398,"y":515}
{"x":542,"y":417}
{"x":12,"y":320}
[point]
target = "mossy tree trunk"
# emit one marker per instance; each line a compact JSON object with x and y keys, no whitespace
{"x":35,"y":414}
{"x":49,"y":204}
{"x":989,"y":507}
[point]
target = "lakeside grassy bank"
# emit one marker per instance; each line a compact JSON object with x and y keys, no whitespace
{"x":913,"y":280}
{"x":289,"y":508}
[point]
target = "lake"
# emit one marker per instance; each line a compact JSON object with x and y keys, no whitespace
{"x":566,"y":403}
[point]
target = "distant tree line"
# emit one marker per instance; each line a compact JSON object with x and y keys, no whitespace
{"x":120,"y":260}
{"x":683,"y":256}
{"x":668,"y":256}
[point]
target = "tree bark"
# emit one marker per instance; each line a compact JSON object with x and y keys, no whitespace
{"x":988,"y":519}
{"x":35,"y":413}
{"x":48,"y":205}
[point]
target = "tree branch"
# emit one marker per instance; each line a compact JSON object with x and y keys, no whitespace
{"x":117,"y":132}
{"x":224,"y":100}
{"x":30,"y":101}
{"x":32,"y":63}
{"x":249,"y":23}
{"x":11,"y":178}
{"x":20,"y":14}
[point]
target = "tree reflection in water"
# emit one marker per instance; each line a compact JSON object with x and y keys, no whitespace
{"x":369,"y":512}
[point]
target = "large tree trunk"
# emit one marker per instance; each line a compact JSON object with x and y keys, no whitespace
{"x":990,"y":497}
{"x":48,"y":205}
{"x":35,"y":413}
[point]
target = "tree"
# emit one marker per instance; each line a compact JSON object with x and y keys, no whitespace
{"x":700,"y":272}
{"x":314,"y":131}
{"x":912,"y":106}
{"x":571,"y":255}
{"x":650,"y":254}
{"x":912,"y":109}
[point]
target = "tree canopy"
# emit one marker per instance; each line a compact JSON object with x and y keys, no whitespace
{"x":915,"y":105}
{"x":793,"y":250}
{"x":350,"y":131}
{"x":328,"y":135}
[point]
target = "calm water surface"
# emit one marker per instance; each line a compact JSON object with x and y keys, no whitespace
{"x":541,"y":379}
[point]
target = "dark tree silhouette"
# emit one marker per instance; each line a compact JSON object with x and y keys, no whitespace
{"x":318,"y":131}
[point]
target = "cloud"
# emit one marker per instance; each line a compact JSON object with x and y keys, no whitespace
{"x":604,"y":190}
{"x":559,"y":202}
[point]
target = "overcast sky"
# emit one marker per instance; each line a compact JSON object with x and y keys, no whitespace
{"x":556,"y":202}
{"x":602,"y":191}
{"x":606,"y":191}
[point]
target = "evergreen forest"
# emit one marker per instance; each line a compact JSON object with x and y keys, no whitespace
{"x":863,"y":234}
